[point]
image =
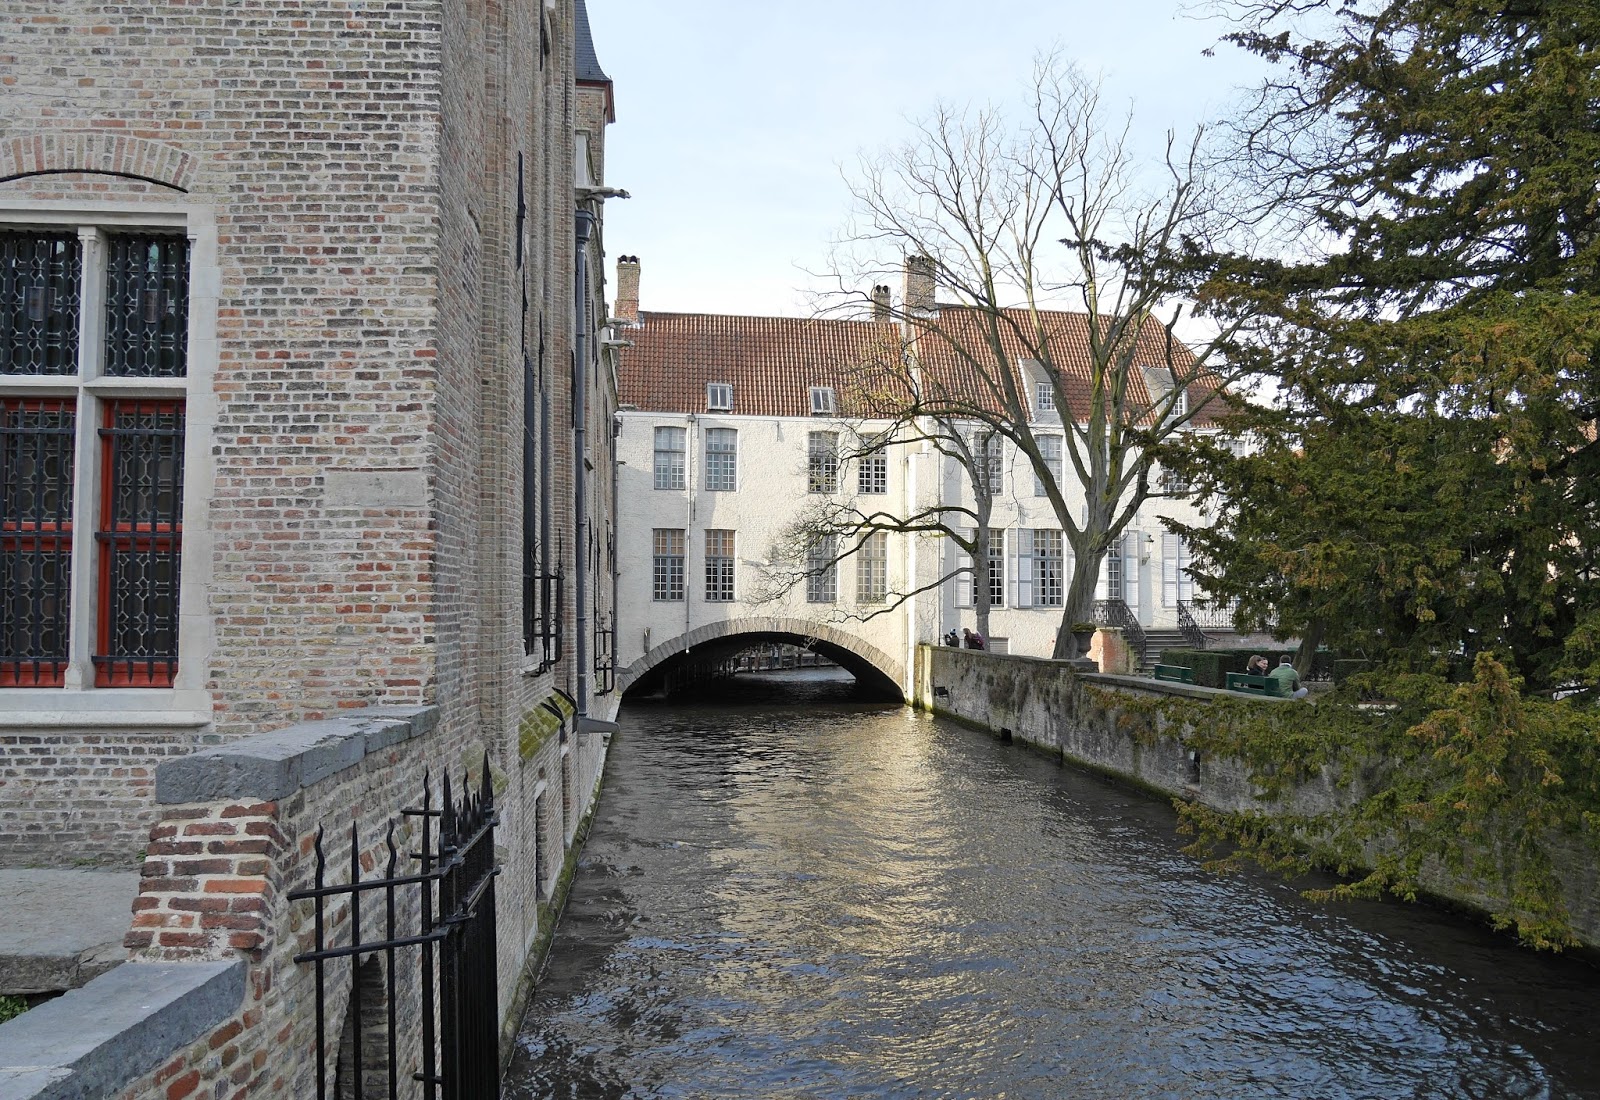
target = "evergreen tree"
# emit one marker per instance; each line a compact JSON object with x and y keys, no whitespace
{"x":1427,"y":478}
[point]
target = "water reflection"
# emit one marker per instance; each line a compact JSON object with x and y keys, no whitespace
{"x":822,"y":899}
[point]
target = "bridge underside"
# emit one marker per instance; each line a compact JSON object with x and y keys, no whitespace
{"x":716,"y":646}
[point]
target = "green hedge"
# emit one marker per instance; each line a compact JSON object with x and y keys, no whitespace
{"x":1211,"y":666}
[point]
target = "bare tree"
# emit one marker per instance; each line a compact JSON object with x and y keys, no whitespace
{"x":1035,"y":254}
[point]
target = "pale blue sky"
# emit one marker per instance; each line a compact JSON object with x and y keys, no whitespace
{"x":733,"y":116}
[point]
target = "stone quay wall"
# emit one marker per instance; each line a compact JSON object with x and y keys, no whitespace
{"x":1062,"y":710}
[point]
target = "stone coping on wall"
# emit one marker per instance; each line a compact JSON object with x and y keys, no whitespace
{"x":1169,"y":687}
{"x":270,"y":766}
{"x":90,"y":1042}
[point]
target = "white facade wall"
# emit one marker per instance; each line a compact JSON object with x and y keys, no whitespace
{"x":771,"y":490}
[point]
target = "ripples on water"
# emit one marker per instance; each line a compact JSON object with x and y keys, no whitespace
{"x":810,"y":898}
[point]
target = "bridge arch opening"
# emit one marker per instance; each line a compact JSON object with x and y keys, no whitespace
{"x":710,"y":654}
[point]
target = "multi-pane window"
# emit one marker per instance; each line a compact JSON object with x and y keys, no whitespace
{"x":719,"y":397}
{"x":988,"y":457}
{"x":1048,"y":569}
{"x":1050,"y":451}
{"x":666,"y":564}
{"x":1044,"y":397}
{"x":1173,"y":481}
{"x":823,"y":402}
{"x":719,"y":566}
{"x":669,"y":458}
{"x":114,"y":525}
{"x":872,"y":475}
{"x":722,"y":460}
{"x":822,"y":462}
{"x":822,"y":571}
{"x":1115,"y":589}
{"x":872,"y":569}
{"x":995,"y":575}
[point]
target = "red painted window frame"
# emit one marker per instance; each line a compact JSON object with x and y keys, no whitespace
{"x":130,"y":535}
{"x":29,"y":536}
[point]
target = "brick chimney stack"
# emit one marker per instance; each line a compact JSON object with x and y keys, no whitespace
{"x":880,"y":304}
{"x":627,"y":307}
{"x":918,"y":293}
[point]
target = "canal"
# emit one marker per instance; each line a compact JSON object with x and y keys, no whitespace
{"x":793,"y":894}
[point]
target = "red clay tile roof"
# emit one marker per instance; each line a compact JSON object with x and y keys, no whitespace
{"x":771,"y":362}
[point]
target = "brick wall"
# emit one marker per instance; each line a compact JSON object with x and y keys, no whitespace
{"x":359,"y":165}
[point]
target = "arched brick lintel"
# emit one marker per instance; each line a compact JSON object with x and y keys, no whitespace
{"x":97,"y":153}
{"x":799,"y":629}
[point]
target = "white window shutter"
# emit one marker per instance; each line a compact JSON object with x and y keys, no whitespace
{"x":1132,"y":544}
{"x":1022,"y":569}
{"x":963,"y":581}
{"x":1170,"y":544}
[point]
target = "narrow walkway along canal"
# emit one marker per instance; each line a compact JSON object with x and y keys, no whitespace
{"x":805,"y":897}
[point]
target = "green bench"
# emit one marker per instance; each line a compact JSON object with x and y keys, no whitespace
{"x":1178,"y":674}
{"x":1258,"y":685}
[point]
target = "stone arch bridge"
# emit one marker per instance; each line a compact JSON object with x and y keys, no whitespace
{"x":875,"y":670}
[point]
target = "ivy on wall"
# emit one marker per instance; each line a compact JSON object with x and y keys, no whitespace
{"x":1476,"y":779}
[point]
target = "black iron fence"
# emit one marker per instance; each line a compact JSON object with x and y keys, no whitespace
{"x":433,"y":961}
{"x":605,"y":659}
{"x":1117,"y":613}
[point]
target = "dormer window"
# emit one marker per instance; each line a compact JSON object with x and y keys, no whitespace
{"x":823,"y":402}
{"x":1180,"y":403}
{"x":1044,"y":397}
{"x":719,"y":397}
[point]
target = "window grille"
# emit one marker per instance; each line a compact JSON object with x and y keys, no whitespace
{"x":667,"y":566}
{"x":822,"y":571}
{"x":722,"y":460}
{"x":39,"y":301}
{"x":823,"y":402}
{"x":719,"y":566}
{"x":669,"y":457}
{"x":130,"y":531}
{"x":1044,"y":397}
{"x":140,"y":535}
{"x":147,"y":306}
{"x":872,"y":476}
{"x":822,"y":462}
{"x":872,"y":569}
{"x":719,"y":397}
{"x":36,"y":451}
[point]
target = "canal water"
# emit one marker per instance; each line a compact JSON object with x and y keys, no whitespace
{"x":791,"y":894}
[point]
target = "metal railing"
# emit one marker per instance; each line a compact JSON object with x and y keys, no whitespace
{"x":1118,"y":614}
{"x":457,"y":1054}
{"x":1189,"y":628}
{"x":605,"y":660}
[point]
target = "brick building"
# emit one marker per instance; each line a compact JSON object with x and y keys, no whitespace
{"x":297,"y":304}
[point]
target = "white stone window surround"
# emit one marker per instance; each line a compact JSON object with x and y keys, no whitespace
{"x":78,"y":703}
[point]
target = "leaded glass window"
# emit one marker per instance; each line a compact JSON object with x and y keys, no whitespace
{"x":39,"y":300}
{"x":147,"y":306}
{"x":36,"y":447}
{"x":666,"y":564}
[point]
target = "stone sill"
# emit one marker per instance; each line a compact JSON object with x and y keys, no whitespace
{"x":104,"y":708}
{"x":274,"y":765}
{"x":92,"y":1042}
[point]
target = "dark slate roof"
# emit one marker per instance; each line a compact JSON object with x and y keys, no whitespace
{"x":589,"y":70}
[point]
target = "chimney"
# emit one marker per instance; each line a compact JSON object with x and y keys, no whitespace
{"x":918,"y":293}
{"x":627,"y":307}
{"x":880,"y":303}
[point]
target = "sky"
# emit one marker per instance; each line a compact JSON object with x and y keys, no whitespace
{"x":735,"y":118}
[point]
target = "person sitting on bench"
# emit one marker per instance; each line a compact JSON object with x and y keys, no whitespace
{"x":1289,"y":678}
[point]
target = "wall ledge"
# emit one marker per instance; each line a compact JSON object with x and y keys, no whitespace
{"x":274,"y":765}
{"x":91,"y":1042}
